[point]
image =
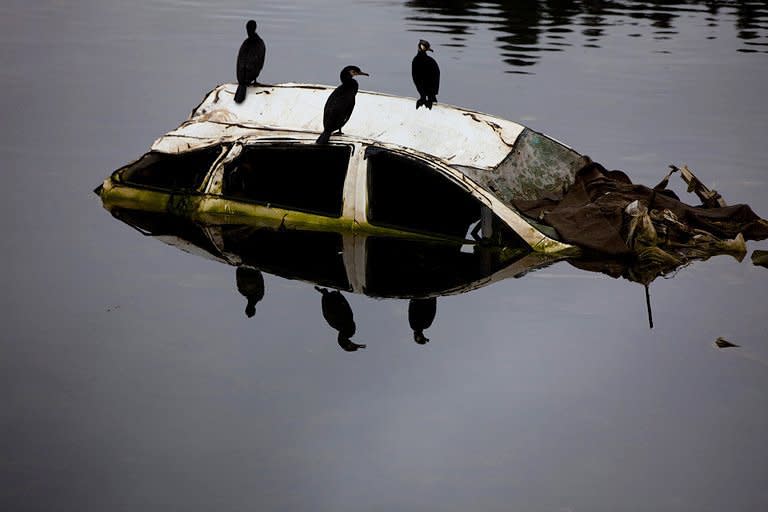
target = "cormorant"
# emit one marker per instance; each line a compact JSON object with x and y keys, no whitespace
{"x":250,"y":284}
{"x":250,"y":60}
{"x":340,"y":103}
{"x":421,"y":313}
{"x":426,"y":76}
{"x":338,"y":314}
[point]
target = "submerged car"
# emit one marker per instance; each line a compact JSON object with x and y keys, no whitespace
{"x":405,"y":204}
{"x":449,"y":174}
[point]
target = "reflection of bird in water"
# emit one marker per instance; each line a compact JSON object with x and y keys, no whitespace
{"x":421,"y":313}
{"x":338,"y":314}
{"x":341,"y":102}
{"x":250,"y":283}
{"x":250,"y":60}
{"x":426,"y":76}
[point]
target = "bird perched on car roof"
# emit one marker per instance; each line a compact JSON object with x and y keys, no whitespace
{"x":250,"y":60}
{"x":340,"y":104}
{"x":426,"y":75}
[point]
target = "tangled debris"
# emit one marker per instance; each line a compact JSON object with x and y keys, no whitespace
{"x":721,"y":342}
{"x":646,"y":232}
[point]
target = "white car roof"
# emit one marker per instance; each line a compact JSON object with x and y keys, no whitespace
{"x":457,"y":136}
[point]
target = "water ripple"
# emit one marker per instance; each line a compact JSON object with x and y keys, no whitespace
{"x":582,"y":23}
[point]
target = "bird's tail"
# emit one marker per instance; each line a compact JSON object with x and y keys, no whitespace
{"x":240,"y":94}
{"x":324,"y":137}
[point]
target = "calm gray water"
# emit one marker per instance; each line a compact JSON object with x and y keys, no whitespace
{"x":131,"y":379}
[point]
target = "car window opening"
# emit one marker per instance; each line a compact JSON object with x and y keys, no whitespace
{"x":292,"y":176}
{"x":180,"y":172}
{"x":408,"y":194}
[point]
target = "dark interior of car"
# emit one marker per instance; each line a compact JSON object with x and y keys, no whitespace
{"x":406,"y":193}
{"x":182,"y":172}
{"x":300,"y":177}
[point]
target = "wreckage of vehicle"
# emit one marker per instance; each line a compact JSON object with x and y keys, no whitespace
{"x":394,"y":170}
{"x":448,"y":174}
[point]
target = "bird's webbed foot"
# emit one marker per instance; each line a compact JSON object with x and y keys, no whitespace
{"x":349,"y":345}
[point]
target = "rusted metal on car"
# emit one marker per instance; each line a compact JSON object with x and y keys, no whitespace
{"x":537,"y":165}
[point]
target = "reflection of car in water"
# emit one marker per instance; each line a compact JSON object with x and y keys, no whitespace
{"x":404,"y":204}
{"x":374,"y":265}
{"x":419,"y":269}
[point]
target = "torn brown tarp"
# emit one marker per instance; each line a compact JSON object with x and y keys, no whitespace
{"x":591,"y":214}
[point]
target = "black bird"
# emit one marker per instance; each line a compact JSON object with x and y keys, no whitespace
{"x":421,"y":313}
{"x":250,"y":284}
{"x":340,"y":103}
{"x":338,"y":314}
{"x":426,"y":75}
{"x":250,"y":60}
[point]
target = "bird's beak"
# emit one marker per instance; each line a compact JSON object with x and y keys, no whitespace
{"x":362,"y":73}
{"x":430,"y":50}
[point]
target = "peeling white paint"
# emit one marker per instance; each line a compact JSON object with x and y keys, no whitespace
{"x":446,"y":132}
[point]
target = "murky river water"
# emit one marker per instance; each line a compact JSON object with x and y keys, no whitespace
{"x":131,"y":379}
